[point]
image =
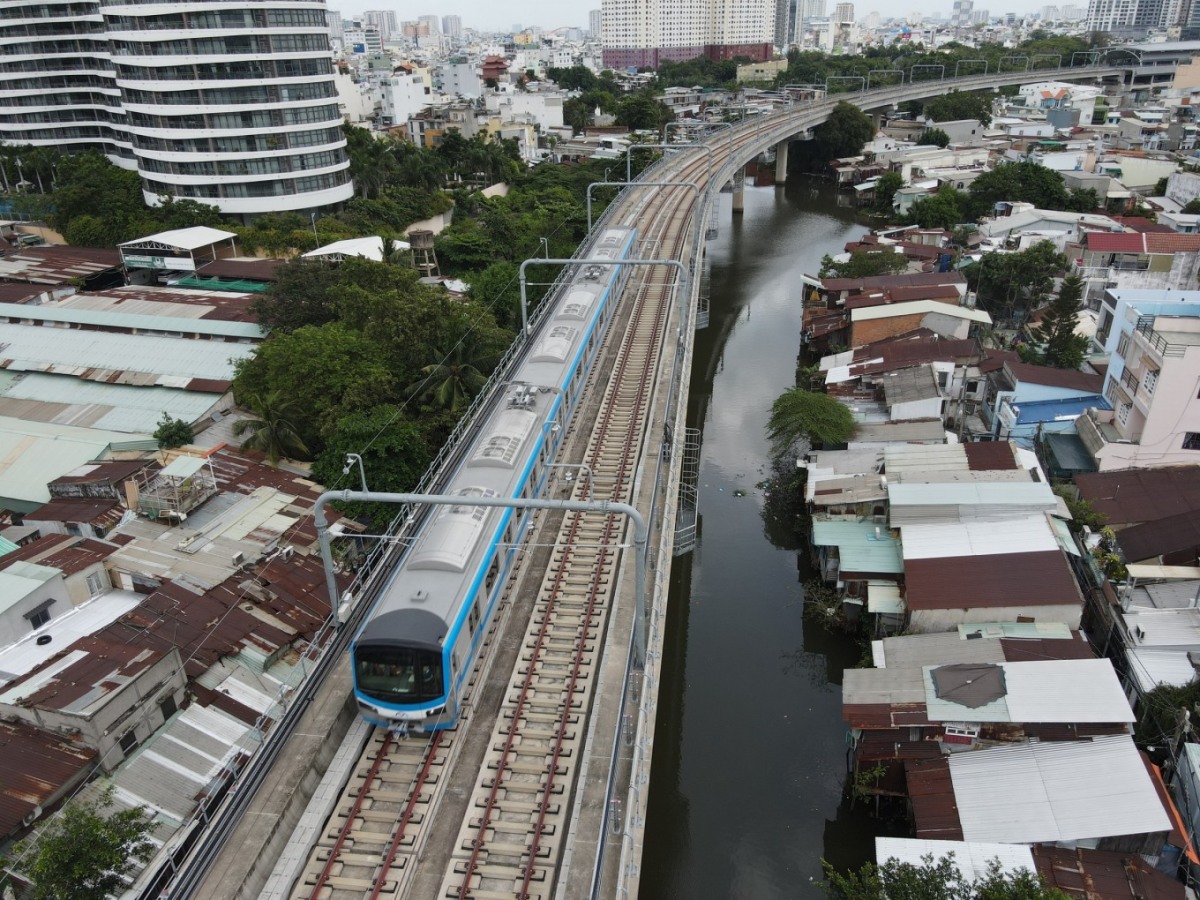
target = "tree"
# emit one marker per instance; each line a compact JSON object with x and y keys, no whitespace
{"x":1007,"y":282}
{"x":498,"y":288}
{"x":958,"y":105}
{"x":451,"y":382}
{"x":933,"y":137}
{"x":299,"y":296}
{"x":1082,"y":200}
{"x":798,"y":413}
{"x":1191,"y":207}
{"x":643,"y":111}
{"x":273,"y":431}
{"x":394,"y":453}
{"x":172,"y":432}
{"x":885,"y":191}
{"x":941,"y":210}
{"x":86,"y":854}
{"x":934,"y":880}
{"x":1025,"y":182}
{"x":325,"y":371}
{"x":862,"y":264}
{"x":1060,"y":346}
{"x":844,"y":133}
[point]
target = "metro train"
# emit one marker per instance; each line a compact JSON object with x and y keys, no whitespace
{"x":414,"y":653}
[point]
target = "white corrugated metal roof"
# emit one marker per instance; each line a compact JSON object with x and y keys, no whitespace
{"x":70,"y":351}
{"x":1150,"y":667}
{"x":918,"y":308}
{"x":1178,"y":628}
{"x":65,"y":400}
{"x":1056,"y":791}
{"x":1052,"y":690}
{"x":184,"y":238}
{"x":366,"y":247}
{"x":973,"y":860}
{"x":934,"y":540}
{"x":883,"y":597}
{"x":986,"y":492}
{"x":906,"y":457}
{"x":114,"y":319}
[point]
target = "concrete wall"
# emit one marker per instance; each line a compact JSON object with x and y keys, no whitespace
{"x":133,"y":707}
{"x":929,"y":408}
{"x":931,"y":621}
{"x":13,"y":624}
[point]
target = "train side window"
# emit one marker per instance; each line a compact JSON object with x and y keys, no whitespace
{"x":493,"y":572}
{"x":473,"y":616}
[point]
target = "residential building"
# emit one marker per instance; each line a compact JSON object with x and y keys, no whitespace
{"x":1153,"y":338}
{"x":384,"y":20}
{"x":961,"y":14}
{"x":1112,"y":16}
{"x":1024,"y":400}
{"x":646,"y":32}
{"x":843,"y":13}
{"x":452,"y":27}
{"x":595,"y":23}
{"x":126,"y":82}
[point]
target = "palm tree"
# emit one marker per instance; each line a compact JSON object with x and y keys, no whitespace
{"x":273,"y":431}
{"x":451,"y":383}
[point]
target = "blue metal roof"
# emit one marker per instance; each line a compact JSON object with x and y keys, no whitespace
{"x":1036,"y":411}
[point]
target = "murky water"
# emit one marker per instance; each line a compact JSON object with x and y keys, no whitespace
{"x":750,"y":751}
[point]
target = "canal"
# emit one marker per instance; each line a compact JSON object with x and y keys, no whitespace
{"x":749,"y":760}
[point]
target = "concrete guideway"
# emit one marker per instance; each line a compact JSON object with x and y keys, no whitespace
{"x":599,"y":858}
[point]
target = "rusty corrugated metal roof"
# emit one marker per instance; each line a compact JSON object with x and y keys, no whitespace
{"x":931,"y":791}
{"x":1103,"y":875}
{"x":1041,"y":578}
{"x":37,"y":764}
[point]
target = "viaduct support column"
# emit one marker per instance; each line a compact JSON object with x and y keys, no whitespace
{"x":877,"y":120}
{"x":781,"y":162}
{"x":739,"y":191}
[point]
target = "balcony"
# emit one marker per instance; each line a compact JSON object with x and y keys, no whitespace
{"x":1164,"y":348}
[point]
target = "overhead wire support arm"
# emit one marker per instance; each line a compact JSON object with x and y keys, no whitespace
{"x":641,"y":534}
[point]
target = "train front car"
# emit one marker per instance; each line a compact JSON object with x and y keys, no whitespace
{"x":399,"y":676}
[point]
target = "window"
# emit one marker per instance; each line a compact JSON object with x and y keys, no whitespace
{"x":1110,"y":391}
{"x":1123,"y":412}
{"x":1191,"y":440}
{"x":1150,"y":380}
{"x":128,"y":742}
{"x":1123,"y":344}
{"x":95,"y":584}
{"x":168,"y":707}
{"x":40,"y":614}
{"x":399,"y":674}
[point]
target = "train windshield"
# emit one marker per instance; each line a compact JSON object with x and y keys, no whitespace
{"x":399,"y":674}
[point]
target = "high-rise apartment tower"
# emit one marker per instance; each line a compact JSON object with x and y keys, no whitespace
{"x":647,"y":32}
{"x":228,"y":103}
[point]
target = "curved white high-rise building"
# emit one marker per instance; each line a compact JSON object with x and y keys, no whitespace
{"x":222,"y":101}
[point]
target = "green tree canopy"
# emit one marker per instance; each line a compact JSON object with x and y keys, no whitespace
{"x":1059,"y":345}
{"x":85,"y":852}
{"x":863,"y":264}
{"x":643,"y":111}
{"x":885,"y":191}
{"x":941,"y":210}
{"x":958,"y":105}
{"x":1010,"y":282}
{"x":1025,"y":182}
{"x":934,"y":137}
{"x":934,"y":880}
{"x":326,"y":370}
{"x":844,"y":133}
{"x":172,"y":432}
{"x":799,"y":414}
{"x":273,"y":430}
{"x":394,"y":452}
{"x":300,"y":295}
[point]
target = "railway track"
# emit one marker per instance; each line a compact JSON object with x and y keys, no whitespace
{"x":511,"y":838}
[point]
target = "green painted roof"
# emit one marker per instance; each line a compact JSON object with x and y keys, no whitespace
{"x":859,"y":548}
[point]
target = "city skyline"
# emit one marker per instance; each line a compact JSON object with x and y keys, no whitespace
{"x":548,"y":14}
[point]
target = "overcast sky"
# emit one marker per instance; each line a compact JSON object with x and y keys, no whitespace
{"x":490,"y":15}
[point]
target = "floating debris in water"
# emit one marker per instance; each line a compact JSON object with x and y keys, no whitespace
{"x":739,"y":493}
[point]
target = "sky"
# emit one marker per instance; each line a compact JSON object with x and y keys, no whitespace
{"x":490,"y":15}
